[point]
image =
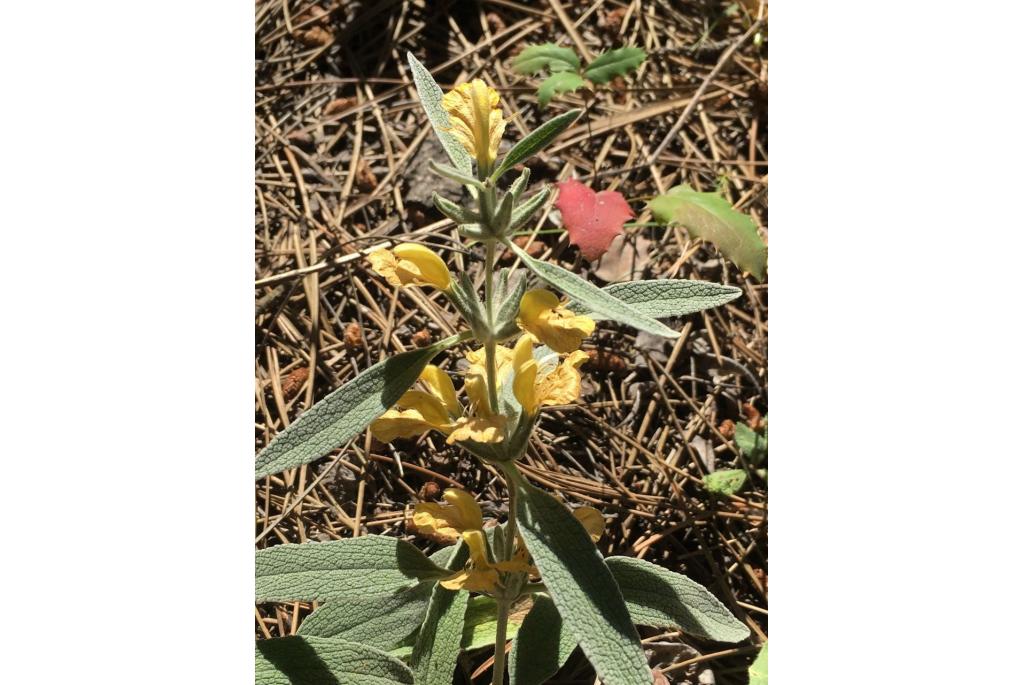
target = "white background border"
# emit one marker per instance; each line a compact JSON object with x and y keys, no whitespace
{"x":895,"y":301}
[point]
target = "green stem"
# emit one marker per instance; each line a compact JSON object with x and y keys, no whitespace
{"x":490,"y":345}
{"x":498,"y":677}
{"x":510,"y":527}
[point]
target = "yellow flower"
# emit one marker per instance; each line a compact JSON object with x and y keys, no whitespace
{"x":446,"y":522}
{"x":411,"y":264}
{"x":476,"y":122}
{"x":417,"y":412}
{"x":481,"y":575}
{"x":476,"y":376}
{"x":487,"y":429}
{"x":560,"y":385}
{"x":548,"y":323}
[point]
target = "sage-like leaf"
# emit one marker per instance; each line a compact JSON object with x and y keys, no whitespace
{"x":343,"y":414}
{"x":307,"y":660}
{"x":581,"y":585}
{"x":727,"y":482}
{"x":614,"y":63}
{"x":557,"y":83}
{"x":430,"y":96}
{"x":372,"y":565}
{"x":758,"y":674}
{"x":597,"y":300}
{"x":481,"y":629}
{"x":536,"y":141}
{"x":536,"y":58}
{"x":541,"y":647}
{"x":522,"y":213}
{"x":710,"y":217}
{"x":455,"y":175}
{"x":436,"y":651}
{"x":663,"y":298}
{"x":380,"y":622}
{"x":660,"y":598}
{"x":455,"y":211}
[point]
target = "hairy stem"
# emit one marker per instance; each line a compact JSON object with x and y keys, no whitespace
{"x":499,"y":643}
{"x":490,"y":346}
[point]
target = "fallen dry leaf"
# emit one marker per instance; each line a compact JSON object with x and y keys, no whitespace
{"x":314,"y":37}
{"x":591,"y":219}
{"x":421,"y":338}
{"x":365,"y":179}
{"x":353,"y":336}
{"x":625,"y":259}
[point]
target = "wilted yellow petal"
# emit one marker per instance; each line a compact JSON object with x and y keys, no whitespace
{"x":410,"y":264}
{"x":541,"y":315}
{"x":487,"y":429}
{"x":436,"y":521}
{"x":440,"y":385}
{"x":474,"y":113}
{"x":592,"y":520}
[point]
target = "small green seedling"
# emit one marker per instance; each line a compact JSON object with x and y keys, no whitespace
{"x":567,"y":73}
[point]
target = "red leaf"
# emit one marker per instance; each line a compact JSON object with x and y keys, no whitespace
{"x":591,"y":219}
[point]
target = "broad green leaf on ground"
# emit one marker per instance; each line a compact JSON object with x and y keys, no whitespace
{"x":727,"y":482}
{"x":536,"y":58}
{"x":659,"y":299}
{"x":753,"y":445}
{"x":306,"y":660}
{"x":557,"y":83}
{"x":536,"y":140}
{"x":343,"y":414}
{"x":710,"y":217}
{"x":481,"y":627}
{"x":382,"y":622}
{"x":430,"y":96}
{"x":598,"y":300}
{"x":541,"y":647}
{"x":614,"y":63}
{"x":371,"y":565}
{"x":660,"y":598}
{"x":759,"y":669}
{"x":436,"y":651}
{"x":581,"y":585}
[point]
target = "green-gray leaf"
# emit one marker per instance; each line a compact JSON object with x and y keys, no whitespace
{"x":614,"y":63}
{"x":306,"y":660}
{"x":597,"y":300}
{"x":660,"y":598}
{"x":371,"y":565}
{"x":560,"y":82}
{"x":710,"y":217}
{"x":541,"y":647}
{"x":536,"y":141}
{"x":581,"y":586}
{"x":430,"y":95}
{"x":380,"y":622}
{"x":537,"y":58}
{"x":727,"y":482}
{"x":437,"y":644}
{"x":662,"y":298}
{"x":753,"y":445}
{"x":343,"y":414}
{"x":758,"y":673}
{"x":481,"y":629}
